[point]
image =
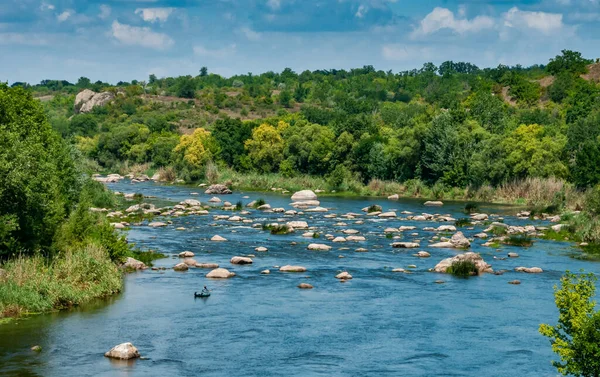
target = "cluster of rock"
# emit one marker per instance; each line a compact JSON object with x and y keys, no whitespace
{"x":477,"y":260}
{"x":86,"y":100}
{"x":218,"y":189}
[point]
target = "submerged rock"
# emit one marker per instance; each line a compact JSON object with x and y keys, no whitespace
{"x":305,"y":286}
{"x":529,"y":270}
{"x":217,"y":238}
{"x":405,"y":245}
{"x":433,"y":203}
{"x":123,"y":351}
{"x":265,"y":272}
{"x":241,"y":260}
{"x":289,"y":268}
{"x":319,"y":247}
{"x":186,"y":254}
{"x":207,"y":265}
{"x":181,"y":267}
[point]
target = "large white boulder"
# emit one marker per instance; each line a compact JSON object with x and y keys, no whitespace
{"x":86,"y":100}
{"x":318,"y":247}
{"x":304,"y":195}
{"x":123,"y":351}
{"x":241,"y":260}
{"x":220,"y":273}
{"x":289,"y":268}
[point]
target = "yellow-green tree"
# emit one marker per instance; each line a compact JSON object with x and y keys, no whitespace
{"x":195,"y":149}
{"x":576,"y":337}
{"x":265,"y":148}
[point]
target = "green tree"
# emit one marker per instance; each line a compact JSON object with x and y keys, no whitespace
{"x":39,"y":183}
{"x":265,"y":148}
{"x":576,"y":337}
{"x":570,"y":61}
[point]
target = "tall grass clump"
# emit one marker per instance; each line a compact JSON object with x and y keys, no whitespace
{"x":463,"y":268}
{"x":76,"y":276}
{"x":521,"y":240}
{"x":462,"y":222}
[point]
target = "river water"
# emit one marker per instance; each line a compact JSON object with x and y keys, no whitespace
{"x":378,"y":323}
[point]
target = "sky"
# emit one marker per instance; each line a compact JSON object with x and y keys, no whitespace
{"x":122,"y":40}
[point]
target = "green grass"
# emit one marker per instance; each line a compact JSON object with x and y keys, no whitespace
{"x":521,"y":240}
{"x":147,"y":257}
{"x":462,"y":223}
{"x":563,"y":235}
{"x":259,"y":202}
{"x":498,"y":230}
{"x":74,"y":277}
{"x":276,"y":228}
{"x":463,"y":268}
{"x":374,"y":208}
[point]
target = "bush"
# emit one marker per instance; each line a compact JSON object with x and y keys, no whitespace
{"x":277,"y":228}
{"x":463,"y":268}
{"x":462,"y":222}
{"x":471,"y":208}
{"x":522,"y":240}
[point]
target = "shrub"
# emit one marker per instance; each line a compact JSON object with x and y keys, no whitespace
{"x":259,"y":202}
{"x":463,"y":268}
{"x":462,"y":222}
{"x":277,"y":228}
{"x":374,"y":208}
{"x":239,"y":205}
{"x":471,"y":207}
{"x":522,"y":240}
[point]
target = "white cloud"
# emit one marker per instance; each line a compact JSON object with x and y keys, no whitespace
{"x":250,"y":34}
{"x":154,"y":14}
{"x":64,"y":16}
{"x":274,"y":4}
{"x":443,"y":18}
{"x":46,"y":6}
{"x":397,"y":52}
{"x":141,"y":36}
{"x":547,"y":23}
{"x":218,"y":53}
{"x":105,"y":11}
{"x":362,"y":10}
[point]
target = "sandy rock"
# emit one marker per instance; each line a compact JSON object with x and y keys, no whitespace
{"x":514,"y":282}
{"x":339,"y":239}
{"x":191,"y":203}
{"x":157,"y":224}
{"x":405,"y":245}
{"x":355,"y":238}
{"x":407,"y":227}
{"x":220,"y":273}
{"x":513,"y":255}
{"x":400,"y":270}
{"x":317,"y":209}
{"x":318,"y":247}
{"x":474,"y":257}
{"x":289,"y":268}
{"x":264,"y":207}
{"x":361,"y":250}
{"x":190,"y":262}
{"x":304,"y":195}
{"x":303,"y":204}
{"x":343,"y":276}
{"x":218,"y":190}
{"x":481,"y":235}
{"x":460,"y":241}
{"x":308,"y":235}
{"x":181,"y":267}
{"x":350,"y":231}
{"x":422,"y":254}
{"x":433,"y":203}
{"x":207,"y":265}
{"x":217,"y":238}
{"x":214,"y":199}
{"x":123,"y":351}
{"x":446,"y":228}
{"x":131,"y":263}
{"x":529,"y":270}
{"x":305,"y":286}
{"x":394,"y":197}
{"x":86,"y":100}
{"x":558,"y":227}
{"x":265,"y":272}
{"x":118,"y":225}
{"x":241,"y":260}
{"x":387,"y":215}
{"x":480,"y":217}
{"x":298,"y":224}
{"x":261,"y":249}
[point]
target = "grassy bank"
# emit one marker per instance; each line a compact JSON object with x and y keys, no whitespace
{"x":36,"y":284}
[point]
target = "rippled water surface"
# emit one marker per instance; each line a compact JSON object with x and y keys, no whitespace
{"x":379,"y":323}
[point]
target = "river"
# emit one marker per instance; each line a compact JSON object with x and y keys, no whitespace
{"x":378,"y":323}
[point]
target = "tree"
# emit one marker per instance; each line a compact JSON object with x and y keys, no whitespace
{"x":186,"y":87}
{"x":196,"y":149}
{"x":285,"y":97}
{"x":203,"y":72}
{"x":576,"y":337}
{"x":569,"y":61}
{"x":39,"y":182}
{"x":231,"y":134}
{"x":84,"y":82}
{"x":265,"y":148}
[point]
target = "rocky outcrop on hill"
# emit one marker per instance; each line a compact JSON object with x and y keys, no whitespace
{"x":86,"y":100}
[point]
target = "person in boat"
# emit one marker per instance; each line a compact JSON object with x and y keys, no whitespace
{"x":205,"y":290}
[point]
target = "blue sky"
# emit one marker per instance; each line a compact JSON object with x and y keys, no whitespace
{"x":114,"y":40}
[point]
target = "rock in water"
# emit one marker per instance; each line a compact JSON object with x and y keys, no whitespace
{"x":181,"y":267}
{"x":123,"y":351}
{"x":218,"y":190}
{"x":305,"y":286}
{"x":220,"y":273}
{"x":289,"y":268}
{"x":134,"y":264}
{"x":304,"y":195}
{"x":218,"y":238}
{"x":186,"y":254}
{"x":405,"y":245}
{"x":470,"y":256}
{"x":434,"y":203}
{"x":241,"y":260}
{"x":460,"y":241}
{"x":529,"y":270}
{"x":318,"y":247}
{"x":343,"y":276}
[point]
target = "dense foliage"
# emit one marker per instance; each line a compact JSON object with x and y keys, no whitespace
{"x":455,"y":125}
{"x":576,"y":337}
